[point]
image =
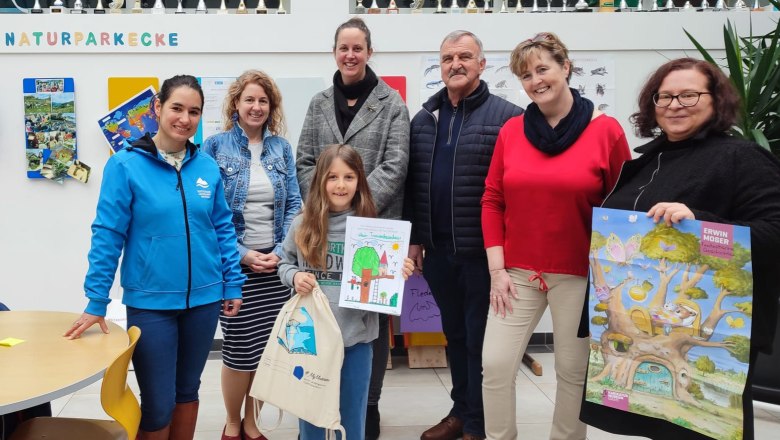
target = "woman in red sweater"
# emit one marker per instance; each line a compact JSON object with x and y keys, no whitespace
{"x":550,"y":166}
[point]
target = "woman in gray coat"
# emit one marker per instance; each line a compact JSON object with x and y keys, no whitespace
{"x":363,"y":111}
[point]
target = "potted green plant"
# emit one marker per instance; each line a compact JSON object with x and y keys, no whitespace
{"x":753,"y":65}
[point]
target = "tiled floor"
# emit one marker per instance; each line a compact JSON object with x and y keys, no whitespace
{"x":412,"y":400}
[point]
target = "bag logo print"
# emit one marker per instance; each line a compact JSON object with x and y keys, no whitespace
{"x":297,"y":336}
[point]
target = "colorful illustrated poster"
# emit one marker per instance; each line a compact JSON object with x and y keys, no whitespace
{"x":373,"y":261}
{"x":50,"y":127}
{"x":129,"y":121}
{"x":419,"y":312}
{"x":670,"y":317}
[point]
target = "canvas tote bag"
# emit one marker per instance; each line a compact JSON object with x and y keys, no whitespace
{"x":300,"y":370}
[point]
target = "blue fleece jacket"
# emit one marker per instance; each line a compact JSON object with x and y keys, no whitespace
{"x":175,"y":229}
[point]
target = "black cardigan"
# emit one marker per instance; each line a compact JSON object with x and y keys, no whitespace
{"x":721,"y":179}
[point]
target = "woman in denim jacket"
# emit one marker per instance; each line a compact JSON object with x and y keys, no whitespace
{"x":261,"y":187}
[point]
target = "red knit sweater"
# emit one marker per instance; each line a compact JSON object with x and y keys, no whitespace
{"x":539,"y":207}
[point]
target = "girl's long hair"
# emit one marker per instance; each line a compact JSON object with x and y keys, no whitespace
{"x":311,"y":237}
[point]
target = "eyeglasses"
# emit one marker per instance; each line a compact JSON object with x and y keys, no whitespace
{"x":686,"y":99}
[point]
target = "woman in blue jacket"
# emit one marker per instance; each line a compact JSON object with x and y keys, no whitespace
{"x":162,"y":205}
{"x":258,"y":170}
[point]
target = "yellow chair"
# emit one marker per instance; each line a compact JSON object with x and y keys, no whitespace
{"x":117,"y":399}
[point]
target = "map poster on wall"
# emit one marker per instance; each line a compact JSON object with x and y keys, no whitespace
{"x":670,"y":318}
{"x":374,"y":252}
{"x":50,"y":127}
{"x":129,"y":121}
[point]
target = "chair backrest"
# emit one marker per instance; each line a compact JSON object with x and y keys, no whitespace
{"x":117,"y":398}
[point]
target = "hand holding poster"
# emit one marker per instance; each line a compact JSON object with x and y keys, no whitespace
{"x":373,"y":261}
{"x":671,"y":311}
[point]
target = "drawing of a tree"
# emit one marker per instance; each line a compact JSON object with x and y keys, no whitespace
{"x":366,"y":257}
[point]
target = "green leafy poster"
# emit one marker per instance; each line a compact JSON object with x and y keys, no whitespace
{"x":671,"y":311}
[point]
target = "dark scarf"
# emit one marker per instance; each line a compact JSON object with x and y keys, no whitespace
{"x":359,"y":90}
{"x":556,"y":140}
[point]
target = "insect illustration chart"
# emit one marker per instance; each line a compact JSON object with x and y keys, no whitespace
{"x":670,"y":318}
{"x":373,"y":262}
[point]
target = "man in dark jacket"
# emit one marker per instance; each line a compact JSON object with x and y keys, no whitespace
{"x":452,"y":140}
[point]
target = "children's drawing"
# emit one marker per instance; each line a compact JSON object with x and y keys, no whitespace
{"x":373,"y":262}
{"x":420,"y":312}
{"x":129,"y":121}
{"x":670,"y":320}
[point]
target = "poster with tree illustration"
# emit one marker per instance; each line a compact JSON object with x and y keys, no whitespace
{"x":373,"y":260}
{"x":670,"y":317}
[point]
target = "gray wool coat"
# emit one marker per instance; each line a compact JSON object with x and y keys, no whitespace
{"x":379,"y":132}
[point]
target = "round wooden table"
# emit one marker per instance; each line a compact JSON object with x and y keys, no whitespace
{"x":46,"y":365}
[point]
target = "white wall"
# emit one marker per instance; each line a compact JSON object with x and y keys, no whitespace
{"x":45,"y":227}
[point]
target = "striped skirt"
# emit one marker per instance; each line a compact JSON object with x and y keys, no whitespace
{"x":245,"y":335}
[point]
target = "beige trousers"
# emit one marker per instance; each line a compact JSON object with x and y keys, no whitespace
{"x":506,"y":340}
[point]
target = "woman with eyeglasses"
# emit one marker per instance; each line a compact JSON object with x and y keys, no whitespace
{"x":694,"y":169}
{"x":550,"y":166}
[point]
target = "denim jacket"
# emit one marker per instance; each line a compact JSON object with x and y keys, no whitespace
{"x":230,"y":150}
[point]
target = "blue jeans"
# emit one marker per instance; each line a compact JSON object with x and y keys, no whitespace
{"x":355,"y":374}
{"x":381,"y":346}
{"x":461,"y":287}
{"x":170,"y":357}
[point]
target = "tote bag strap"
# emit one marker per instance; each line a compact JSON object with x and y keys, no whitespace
{"x":330,"y":434}
{"x":259,"y":418}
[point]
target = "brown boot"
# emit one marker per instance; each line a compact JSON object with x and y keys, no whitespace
{"x":183,"y":423}
{"x":161,"y":434}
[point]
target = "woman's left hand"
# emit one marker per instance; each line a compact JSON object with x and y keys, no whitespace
{"x":670,"y":212}
{"x":230,"y":307}
{"x":408,"y":268}
{"x":266,"y":263}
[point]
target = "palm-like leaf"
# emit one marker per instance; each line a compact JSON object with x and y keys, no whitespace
{"x":753,"y":65}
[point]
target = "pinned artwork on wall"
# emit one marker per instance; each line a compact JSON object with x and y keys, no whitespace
{"x":50,"y":128}
{"x":211,"y":121}
{"x":592,"y":76}
{"x":130,"y":120}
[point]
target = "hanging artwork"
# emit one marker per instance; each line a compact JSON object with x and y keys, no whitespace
{"x":670,"y":318}
{"x":373,"y":261}
{"x":50,"y":127}
{"x":129,"y":121}
{"x":211,"y":121}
